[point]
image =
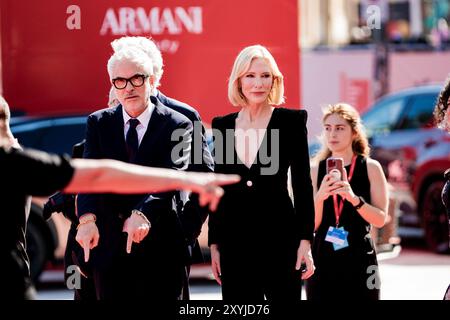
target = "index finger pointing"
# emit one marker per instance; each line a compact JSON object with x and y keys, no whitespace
{"x":213,"y":204}
{"x":86,"y":251}
{"x":129,"y":242}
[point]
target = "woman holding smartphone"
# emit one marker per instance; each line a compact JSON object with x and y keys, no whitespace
{"x":345,"y":210}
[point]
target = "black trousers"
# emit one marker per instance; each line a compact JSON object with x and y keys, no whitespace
{"x":16,"y":283}
{"x":154,"y":284}
{"x":153,"y":271}
{"x":74,"y":255}
{"x":249,"y":278}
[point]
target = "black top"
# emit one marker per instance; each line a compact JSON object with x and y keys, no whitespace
{"x":351,"y":271}
{"x":350,"y":219}
{"x":25,"y":173}
{"x":258,"y":212}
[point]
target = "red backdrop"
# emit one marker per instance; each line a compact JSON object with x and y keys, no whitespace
{"x":50,"y":68}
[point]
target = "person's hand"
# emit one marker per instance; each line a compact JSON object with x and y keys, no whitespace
{"x":207,"y":186}
{"x":304,"y":256}
{"x":215,"y":263}
{"x":137,"y":228}
{"x":344,"y":189}
{"x":327,"y":187}
{"x":87,"y":236}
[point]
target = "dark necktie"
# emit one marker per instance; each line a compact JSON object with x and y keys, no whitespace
{"x":132,"y":140}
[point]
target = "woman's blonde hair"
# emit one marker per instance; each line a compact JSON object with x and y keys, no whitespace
{"x":360,"y":144}
{"x":241,"y":66}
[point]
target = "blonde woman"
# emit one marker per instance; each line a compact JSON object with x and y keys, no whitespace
{"x":258,"y":239}
{"x":345,"y":210}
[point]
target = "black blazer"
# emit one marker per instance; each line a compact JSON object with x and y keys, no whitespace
{"x":105,"y":139}
{"x":257,"y":212}
{"x":192,"y":216}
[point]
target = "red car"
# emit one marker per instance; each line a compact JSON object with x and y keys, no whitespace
{"x":414,"y":155}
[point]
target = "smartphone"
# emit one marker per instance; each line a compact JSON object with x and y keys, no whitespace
{"x":335,"y":166}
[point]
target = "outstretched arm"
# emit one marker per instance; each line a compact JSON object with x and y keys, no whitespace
{"x":104,"y":176}
{"x":112,"y":176}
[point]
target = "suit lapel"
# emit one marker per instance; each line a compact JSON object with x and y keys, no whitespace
{"x":118,"y":134}
{"x":155,"y":128}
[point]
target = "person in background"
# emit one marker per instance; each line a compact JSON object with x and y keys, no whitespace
{"x":258,"y":238}
{"x":31,"y":172}
{"x":346,"y":208}
{"x":442,"y":119}
{"x":112,"y":99}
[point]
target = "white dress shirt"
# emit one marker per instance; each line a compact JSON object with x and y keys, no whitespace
{"x":144,"y":119}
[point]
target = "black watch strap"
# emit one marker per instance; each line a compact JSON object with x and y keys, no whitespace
{"x":360,"y":204}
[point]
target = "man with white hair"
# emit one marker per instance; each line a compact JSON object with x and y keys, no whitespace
{"x":139,"y":131}
{"x":192,"y":216}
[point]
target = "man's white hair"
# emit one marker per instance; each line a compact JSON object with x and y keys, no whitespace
{"x":133,"y":55}
{"x":148,"y":47}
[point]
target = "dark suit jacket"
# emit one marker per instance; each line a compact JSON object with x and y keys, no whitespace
{"x":201,"y":158}
{"x":105,"y":139}
{"x":192,"y":215}
{"x":256,"y":219}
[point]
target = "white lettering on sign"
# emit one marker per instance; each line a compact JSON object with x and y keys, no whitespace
{"x":127,"y":20}
{"x":73,"y":22}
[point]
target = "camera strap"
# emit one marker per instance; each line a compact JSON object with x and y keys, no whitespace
{"x":339,"y":203}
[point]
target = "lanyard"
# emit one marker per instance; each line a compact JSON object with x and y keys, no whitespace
{"x":339,"y":205}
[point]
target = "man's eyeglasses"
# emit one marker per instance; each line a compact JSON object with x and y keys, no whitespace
{"x":136,"y":81}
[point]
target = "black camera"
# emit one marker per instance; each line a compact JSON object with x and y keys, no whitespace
{"x":60,"y":202}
